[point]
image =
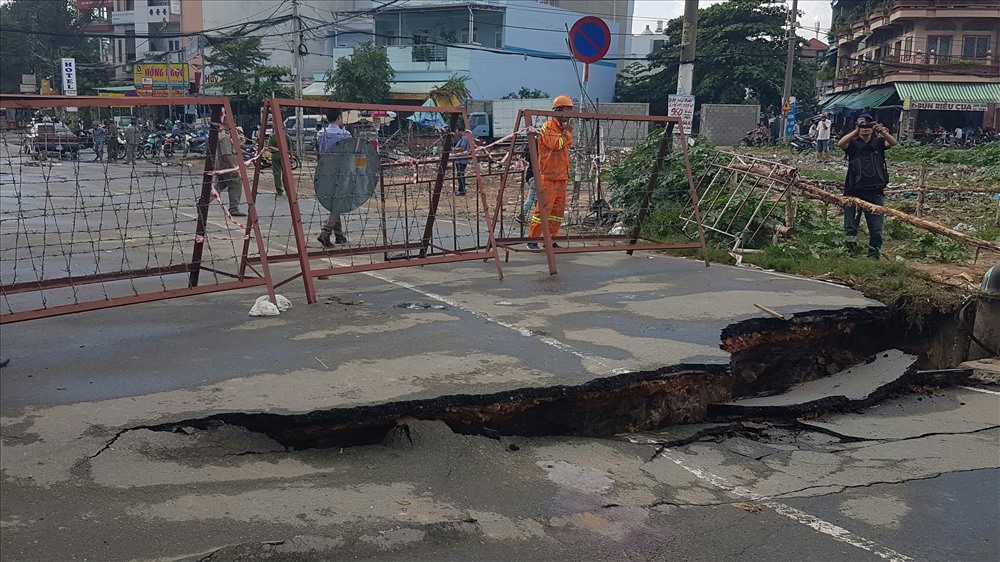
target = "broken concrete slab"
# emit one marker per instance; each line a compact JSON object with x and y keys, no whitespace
{"x":957,"y":411}
{"x":985,"y":371}
{"x":858,"y":386}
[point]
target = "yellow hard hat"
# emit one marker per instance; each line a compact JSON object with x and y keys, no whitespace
{"x":562,"y":101}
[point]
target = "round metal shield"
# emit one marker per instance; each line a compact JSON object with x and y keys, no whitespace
{"x":346,"y":175}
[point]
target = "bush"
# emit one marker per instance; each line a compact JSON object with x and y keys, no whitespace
{"x":628,"y":180}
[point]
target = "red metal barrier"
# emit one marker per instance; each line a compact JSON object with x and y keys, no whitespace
{"x":79,"y":234}
{"x":401,"y":225}
{"x":599,"y":141}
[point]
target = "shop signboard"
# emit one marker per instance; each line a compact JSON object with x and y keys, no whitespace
{"x":948,"y":106}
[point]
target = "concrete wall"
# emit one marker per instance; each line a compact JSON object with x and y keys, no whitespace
{"x":623,"y":133}
{"x":725,"y":124}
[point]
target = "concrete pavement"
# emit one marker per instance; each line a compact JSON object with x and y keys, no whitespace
{"x":89,"y":470}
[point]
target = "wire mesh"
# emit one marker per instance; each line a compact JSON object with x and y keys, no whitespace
{"x":92,"y":219}
{"x":619,"y":168}
{"x":417,"y":213}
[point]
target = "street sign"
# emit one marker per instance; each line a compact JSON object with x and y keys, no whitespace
{"x":790,"y":126}
{"x":683,"y":107}
{"x":69,"y":76}
{"x":589,"y":39}
{"x":786,"y":107}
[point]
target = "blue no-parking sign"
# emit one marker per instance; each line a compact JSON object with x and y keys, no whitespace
{"x":589,"y":39}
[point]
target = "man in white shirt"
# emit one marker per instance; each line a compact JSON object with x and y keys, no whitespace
{"x":958,"y":135}
{"x":823,"y":138}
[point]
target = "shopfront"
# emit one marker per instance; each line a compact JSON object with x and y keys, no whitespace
{"x":921,"y":111}
{"x":931,"y":111}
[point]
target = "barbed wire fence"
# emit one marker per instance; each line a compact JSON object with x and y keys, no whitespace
{"x":85,"y":226}
{"x":617,"y":171}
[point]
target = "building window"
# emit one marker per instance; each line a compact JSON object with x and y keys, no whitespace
{"x":657,"y":45}
{"x":939,"y":45}
{"x":975,"y":46}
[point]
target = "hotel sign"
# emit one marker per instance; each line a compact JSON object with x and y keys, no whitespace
{"x":948,"y":106}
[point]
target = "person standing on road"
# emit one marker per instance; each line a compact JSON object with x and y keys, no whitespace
{"x":959,"y":131}
{"x":823,"y":138}
{"x":554,"y":140}
{"x":133,"y":137}
{"x":326,"y":139}
{"x":226,"y":158}
{"x":532,"y":196}
{"x":277,"y":159}
{"x":461,"y":162}
{"x":867,"y":177}
{"x":100,"y":138}
{"x":112,"y":140}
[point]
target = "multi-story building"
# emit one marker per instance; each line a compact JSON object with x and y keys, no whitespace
{"x":644,"y":44}
{"x":144,"y":30}
{"x":428,"y":41}
{"x":501,"y":45}
{"x":918,"y":64}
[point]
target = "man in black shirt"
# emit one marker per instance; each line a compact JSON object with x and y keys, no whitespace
{"x":866,"y":179}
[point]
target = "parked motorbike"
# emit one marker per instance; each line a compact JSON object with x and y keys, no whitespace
{"x":265,"y":162}
{"x":194,"y":142}
{"x":755,"y":138}
{"x":154,"y":141}
{"x":168,"y":145}
{"x":802,"y":143}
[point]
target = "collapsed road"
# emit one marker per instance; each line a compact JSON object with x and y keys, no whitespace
{"x":437,"y":413}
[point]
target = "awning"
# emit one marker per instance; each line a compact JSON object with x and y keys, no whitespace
{"x":412,"y":90}
{"x":315,"y":91}
{"x":956,"y":93}
{"x":862,"y":99}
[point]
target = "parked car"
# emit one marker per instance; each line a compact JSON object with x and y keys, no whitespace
{"x":53,"y":137}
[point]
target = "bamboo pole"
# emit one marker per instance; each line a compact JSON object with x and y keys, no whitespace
{"x":841,"y":201}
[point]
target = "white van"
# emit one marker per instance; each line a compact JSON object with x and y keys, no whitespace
{"x":309,"y":123}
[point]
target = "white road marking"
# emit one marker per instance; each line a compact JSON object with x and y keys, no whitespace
{"x":562,"y":346}
{"x":825,"y":527}
{"x":983,"y":390}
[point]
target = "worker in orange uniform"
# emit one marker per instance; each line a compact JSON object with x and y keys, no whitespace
{"x":554,"y":141}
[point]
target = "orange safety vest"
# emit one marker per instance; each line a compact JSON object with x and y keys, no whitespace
{"x":553,"y":151}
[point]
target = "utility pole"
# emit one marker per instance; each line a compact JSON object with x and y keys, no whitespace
{"x":689,"y":32}
{"x":297,"y":62}
{"x":786,"y":97}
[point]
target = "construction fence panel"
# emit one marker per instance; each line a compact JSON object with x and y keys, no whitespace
{"x":395,"y":184}
{"x":124,"y":215}
{"x":741,"y":198}
{"x":618,"y":172}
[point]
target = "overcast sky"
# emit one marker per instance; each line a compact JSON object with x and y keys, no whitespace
{"x":648,"y":11}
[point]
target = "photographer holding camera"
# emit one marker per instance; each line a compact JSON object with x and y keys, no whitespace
{"x":866,"y":179}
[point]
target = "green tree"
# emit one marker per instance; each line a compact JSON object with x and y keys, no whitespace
{"x":454,"y":87}
{"x":24,"y":50}
{"x":236,"y":62}
{"x":364,"y":77}
{"x":526,"y":94}
{"x":741,"y":54}
{"x":265,"y":84}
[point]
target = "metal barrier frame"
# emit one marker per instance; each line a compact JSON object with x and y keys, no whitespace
{"x":632,"y":240}
{"x":775,"y":177}
{"x":241,"y":280}
{"x":428,"y":252}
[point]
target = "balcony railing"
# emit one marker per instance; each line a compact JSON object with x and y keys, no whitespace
{"x":857,"y":24}
{"x":875,"y":72}
{"x":429,"y":53}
